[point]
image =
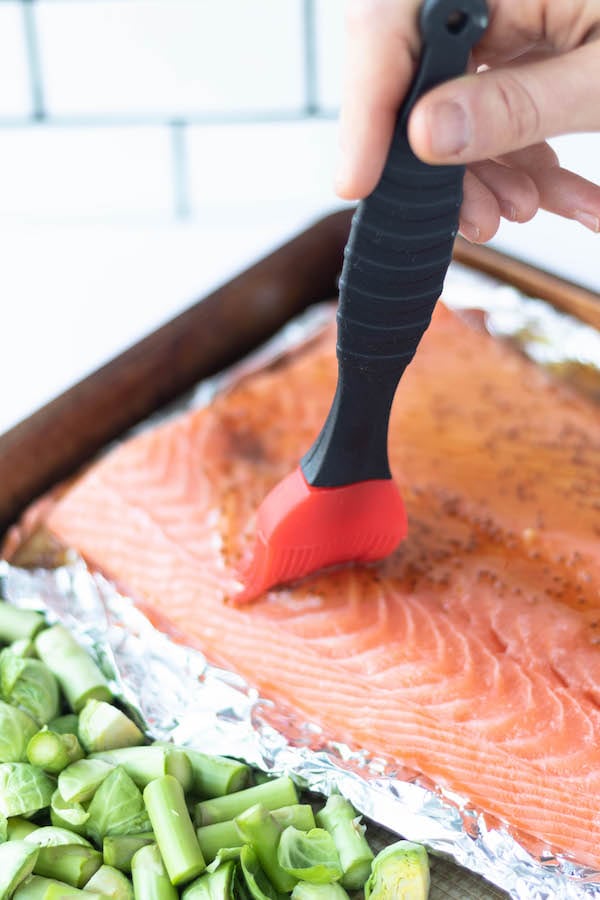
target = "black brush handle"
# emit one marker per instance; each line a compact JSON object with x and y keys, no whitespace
{"x":396,"y":259}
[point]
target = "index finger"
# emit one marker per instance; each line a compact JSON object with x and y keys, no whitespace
{"x":382,"y":45}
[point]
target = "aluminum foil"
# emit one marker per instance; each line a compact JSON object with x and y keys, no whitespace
{"x":176,"y":694}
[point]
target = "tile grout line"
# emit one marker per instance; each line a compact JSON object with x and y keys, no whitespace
{"x":311,"y":86}
{"x":182,"y":206}
{"x":32,"y":49}
{"x":256,"y":117}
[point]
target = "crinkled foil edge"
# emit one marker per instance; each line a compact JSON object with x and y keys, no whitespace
{"x":176,"y":694}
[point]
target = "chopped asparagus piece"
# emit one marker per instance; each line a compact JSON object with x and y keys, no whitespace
{"x":150,"y":879}
{"x":399,"y":871}
{"x":78,"y":675}
{"x":309,"y":855}
{"x":70,"y":863}
{"x":212,"y":838}
{"x":17,"y":860}
{"x":272,"y":795}
{"x":30,"y":685}
{"x":37,"y":887}
{"x":260,"y":829}
{"x":104,"y":727}
{"x":24,"y":789}
{"x":53,"y":752}
{"x":16,"y":729}
{"x":79,"y":781}
{"x":119,"y":849}
{"x":145,"y":764}
{"x":173,"y":828}
{"x":116,"y":808}
{"x":217,"y":885}
{"x":110,"y":883}
{"x":341,"y":820}
{"x":18,"y":624}
{"x":64,"y":856}
{"x":213,"y":776}
{"x":300,"y":815}
{"x":225,"y":834}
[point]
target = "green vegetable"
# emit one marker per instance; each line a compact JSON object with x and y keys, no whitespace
{"x":260,"y":829}
{"x":53,"y":752}
{"x":119,"y":849}
{"x":29,"y":684}
{"x":16,"y":728}
{"x":78,"y":675}
{"x":217,"y":885}
{"x":213,"y":838}
{"x":173,"y":828}
{"x":68,"y":724}
{"x":272,"y":795}
{"x":111,"y":883}
{"x":104,"y":727}
{"x":225,"y":834}
{"x":145,"y":764}
{"x":258,"y":885}
{"x":24,"y":789}
{"x":18,"y":624}
{"x":309,"y":855}
{"x":17,"y":860}
{"x":67,"y":815}
{"x":150,"y":879}
{"x":341,"y":820}
{"x":19,"y":828}
{"x":38,"y":888}
{"x":116,"y":808}
{"x":213,"y":776}
{"x":79,"y":781}
{"x":400,"y":872}
{"x":306,"y":891}
{"x":23,"y":647}
{"x":3,"y":829}
{"x":64,"y":856}
{"x":225,"y":854}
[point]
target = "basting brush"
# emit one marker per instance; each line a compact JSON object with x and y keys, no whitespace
{"x":341,"y":504}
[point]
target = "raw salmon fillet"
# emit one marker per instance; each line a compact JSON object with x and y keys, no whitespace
{"x":472,"y":654}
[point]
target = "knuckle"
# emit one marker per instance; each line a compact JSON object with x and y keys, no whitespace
{"x":519,"y":110}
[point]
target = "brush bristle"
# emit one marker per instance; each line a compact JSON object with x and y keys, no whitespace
{"x":301,"y":529}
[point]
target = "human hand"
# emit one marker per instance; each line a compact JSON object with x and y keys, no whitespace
{"x":541,"y":79}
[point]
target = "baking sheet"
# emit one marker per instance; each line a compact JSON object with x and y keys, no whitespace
{"x":178,"y":695}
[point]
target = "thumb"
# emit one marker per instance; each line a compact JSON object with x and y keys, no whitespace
{"x":506,"y":109}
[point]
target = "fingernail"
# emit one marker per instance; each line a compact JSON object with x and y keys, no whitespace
{"x":470,"y":231}
{"x":450,"y":129}
{"x":588,"y":219}
{"x":509,"y":211}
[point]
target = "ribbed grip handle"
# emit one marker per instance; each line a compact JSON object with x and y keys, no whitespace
{"x":396,"y":259}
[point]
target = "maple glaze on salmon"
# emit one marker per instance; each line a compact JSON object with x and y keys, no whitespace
{"x":473,"y":653}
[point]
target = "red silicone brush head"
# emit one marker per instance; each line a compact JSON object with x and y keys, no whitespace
{"x":301,"y":529}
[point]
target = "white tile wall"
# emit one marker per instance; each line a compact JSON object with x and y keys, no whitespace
{"x":171,"y":57}
{"x":330,"y":51}
{"x":14,"y":82}
{"x":53,"y":172}
{"x":264,"y":168}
